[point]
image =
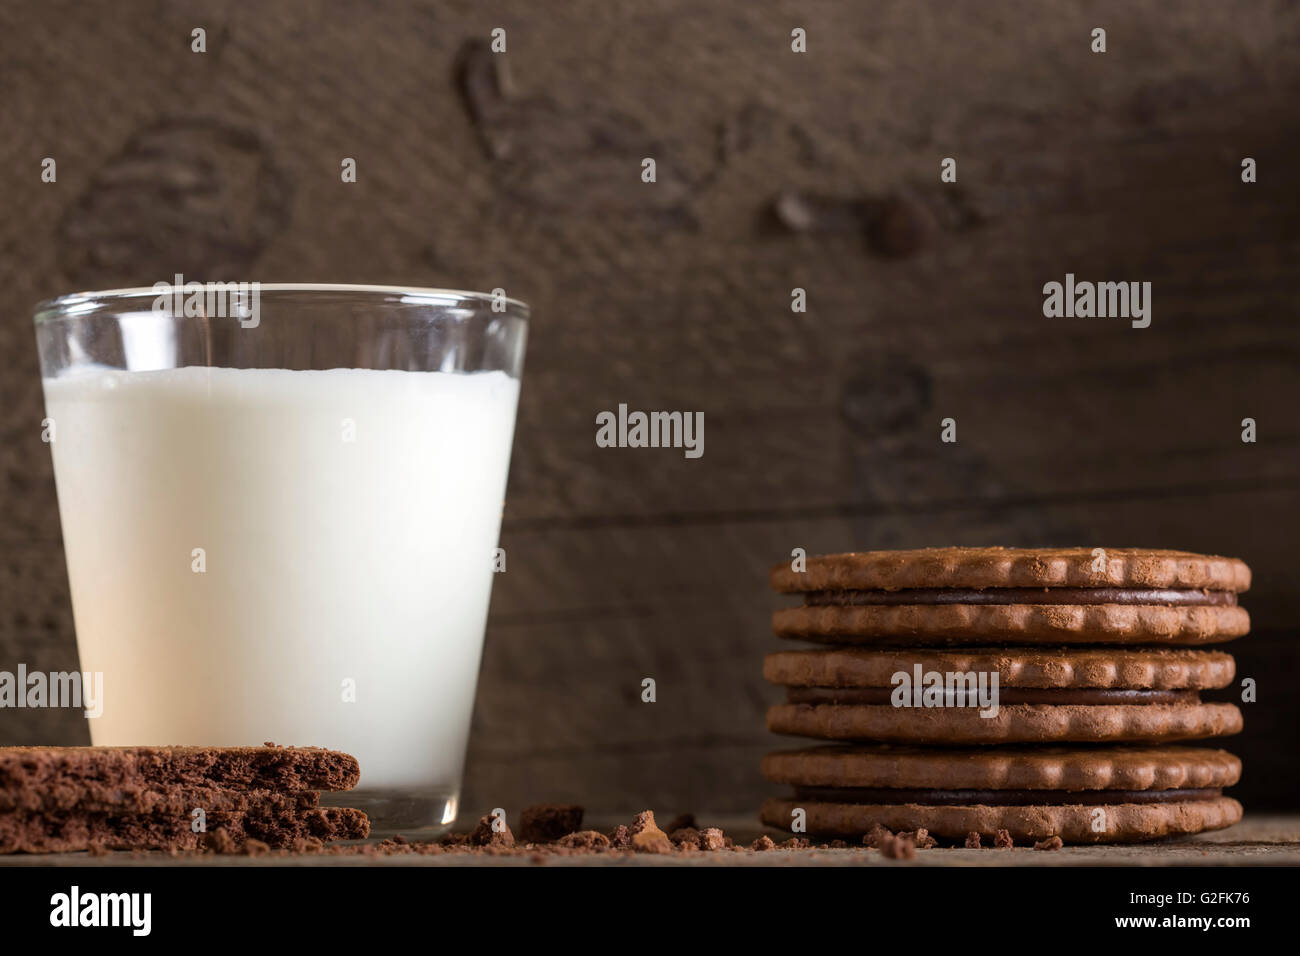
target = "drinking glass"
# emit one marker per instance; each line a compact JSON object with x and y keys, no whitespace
{"x":280,"y":506}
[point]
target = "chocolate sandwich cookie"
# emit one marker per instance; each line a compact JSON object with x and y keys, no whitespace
{"x":1015,"y":595}
{"x":1099,"y":795}
{"x":994,"y":696}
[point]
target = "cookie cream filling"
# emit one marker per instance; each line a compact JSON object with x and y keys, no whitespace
{"x":1008,"y":695}
{"x":1164,"y":597}
{"x":999,"y":798}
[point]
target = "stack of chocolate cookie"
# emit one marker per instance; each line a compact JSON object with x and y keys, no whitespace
{"x":1039,"y":692}
{"x":62,"y":799}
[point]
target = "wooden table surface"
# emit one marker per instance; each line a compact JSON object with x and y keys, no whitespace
{"x":1259,"y":840}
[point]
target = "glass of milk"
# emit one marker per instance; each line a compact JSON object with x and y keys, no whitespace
{"x":280,"y":506}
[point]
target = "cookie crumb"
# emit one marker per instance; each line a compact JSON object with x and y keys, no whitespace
{"x":486,"y":835}
{"x":1003,"y":840}
{"x":646,"y":837}
{"x":795,"y":843}
{"x":219,"y":841}
{"x":620,"y":836}
{"x":920,"y":839}
{"x":685,"y":837}
{"x":1051,"y":843}
{"x":98,"y":849}
{"x":585,"y":840}
{"x":651,"y":841}
{"x":763,"y":844}
{"x":712,"y":839}
{"x":645,"y":820}
{"x":972,"y":840}
{"x":876,"y":836}
{"x":897,"y":848}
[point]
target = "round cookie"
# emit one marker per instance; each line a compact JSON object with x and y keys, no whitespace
{"x":1012,"y":624}
{"x":1100,"y":795}
{"x":1014,"y":568}
{"x":1038,"y":768}
{"x":1120,"y":823}
{"x":1012,"y":723}
{"x":1112,"y":668}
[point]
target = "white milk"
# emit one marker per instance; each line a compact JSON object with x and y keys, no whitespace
{"x":330,"y":563}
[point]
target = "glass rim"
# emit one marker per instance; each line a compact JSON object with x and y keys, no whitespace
{"x":73,"y":304}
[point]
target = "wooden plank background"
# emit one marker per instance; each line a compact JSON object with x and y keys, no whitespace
{"x":775,"y":170}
